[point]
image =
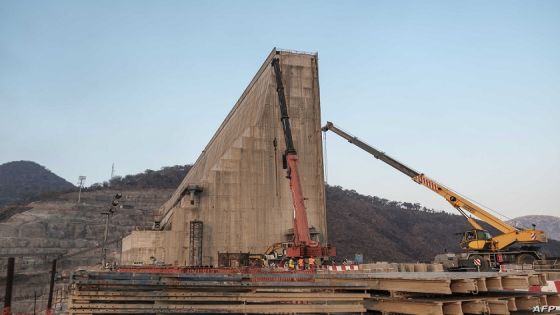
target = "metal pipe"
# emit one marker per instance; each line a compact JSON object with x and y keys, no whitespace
{"x":9,"y":285}
{"x":104,"y":249}
{"x":51,"y":289}
{"x":371,"y":150}
{"x":61,"y":298}
{"x":56,"y":299}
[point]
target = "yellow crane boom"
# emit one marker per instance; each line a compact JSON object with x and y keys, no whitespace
{"x":476,"y":239}
{"x":510,"y":235}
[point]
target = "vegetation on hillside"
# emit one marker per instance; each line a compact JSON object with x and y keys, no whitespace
{"x":25,"y":181}
{"x":166,"y":178}
{"x":388,"y":230}
{"x":384,"y":230}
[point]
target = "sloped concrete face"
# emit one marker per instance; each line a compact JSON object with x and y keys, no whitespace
{"x":245,"y":204}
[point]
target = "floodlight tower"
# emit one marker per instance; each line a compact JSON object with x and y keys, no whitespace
{"x":108,"y":214}
{"x":81,"y":180}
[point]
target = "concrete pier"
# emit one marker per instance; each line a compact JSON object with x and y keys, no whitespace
{"x":238,"y":188}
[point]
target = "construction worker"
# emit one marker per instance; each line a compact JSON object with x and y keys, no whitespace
{"x":311,"y":262}
{"x":291,"y":264}
{"x":300,"y":263}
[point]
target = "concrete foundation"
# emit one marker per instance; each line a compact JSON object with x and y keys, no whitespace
{"x":140,"y":246}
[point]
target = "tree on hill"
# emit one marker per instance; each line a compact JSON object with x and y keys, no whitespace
{"x":166,"y":178}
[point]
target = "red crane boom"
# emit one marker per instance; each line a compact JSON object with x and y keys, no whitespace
{"x":303,"y":246}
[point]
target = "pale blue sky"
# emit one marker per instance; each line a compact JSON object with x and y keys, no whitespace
{"x":466,"y":92}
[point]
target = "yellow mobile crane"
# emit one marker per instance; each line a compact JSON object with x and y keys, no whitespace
{"x":483,"y":251}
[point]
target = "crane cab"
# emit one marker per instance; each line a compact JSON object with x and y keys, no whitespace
{"x":476,"y":240}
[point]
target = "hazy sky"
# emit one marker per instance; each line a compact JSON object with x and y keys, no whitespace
{"x":467,"y":91}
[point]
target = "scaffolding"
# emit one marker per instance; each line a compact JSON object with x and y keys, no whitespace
{"x":196,"y":229}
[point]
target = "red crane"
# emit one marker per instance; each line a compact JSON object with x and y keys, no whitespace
{"x":303,"y":245}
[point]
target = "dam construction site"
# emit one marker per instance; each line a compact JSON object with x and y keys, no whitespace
{"x":245,"y":232}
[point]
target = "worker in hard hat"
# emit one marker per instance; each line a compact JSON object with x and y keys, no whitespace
{"x":300,"y":263}
{"x":311,"y":262}
{"x":291,"y":264}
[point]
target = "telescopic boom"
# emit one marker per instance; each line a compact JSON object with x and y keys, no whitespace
{"x":511,"y":235}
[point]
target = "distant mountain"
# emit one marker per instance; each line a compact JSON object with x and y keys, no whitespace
{"x":548,"y":223}
{"x":22,"y":181}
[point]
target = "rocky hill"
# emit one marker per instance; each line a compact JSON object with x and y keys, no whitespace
{"x":548,"y":223}
{"x":55,"y":224}
{"x":46,"y":229}
{"x":22,"y":181}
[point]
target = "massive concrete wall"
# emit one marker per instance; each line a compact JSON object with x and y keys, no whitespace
{"x":140,"y":246}
{"x":246,"y":205}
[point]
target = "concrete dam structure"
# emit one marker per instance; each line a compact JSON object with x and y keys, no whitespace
{"x":236,"y":198}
